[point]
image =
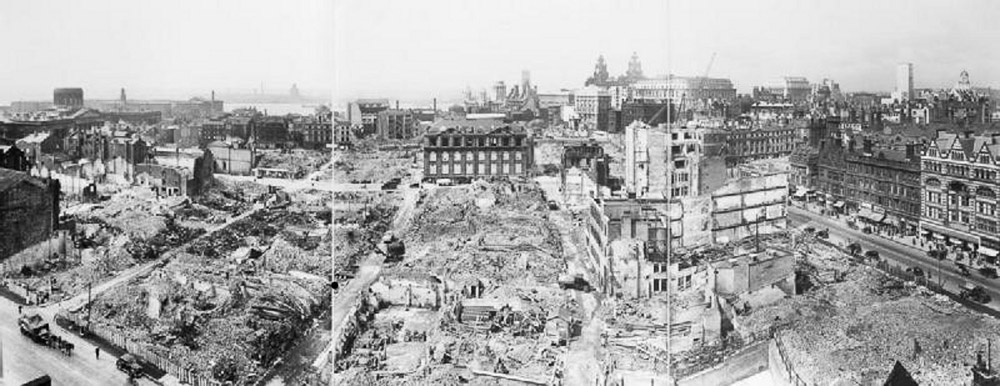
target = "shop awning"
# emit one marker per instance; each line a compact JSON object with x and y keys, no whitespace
{"x":867,"y":214}
{"x":891,"y":219}
{"x":799,"y":193}
{"x":925,"y":232}
{"x":987,"y":251}
{"x":939,"y":236}
{"x":838,"y":204}
{"x":940,"y":230}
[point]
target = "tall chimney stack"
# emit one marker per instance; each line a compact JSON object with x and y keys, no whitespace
{"x":435,"y":105}
{"x":397,"y":104}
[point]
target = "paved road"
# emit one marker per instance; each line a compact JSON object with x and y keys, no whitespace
{"x":24,"y":360}
{"x":368,"y":271}
{"x":898,"y":253}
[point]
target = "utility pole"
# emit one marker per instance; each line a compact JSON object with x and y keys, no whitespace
{"x":89,"y":305}
{"x":670,"y":175}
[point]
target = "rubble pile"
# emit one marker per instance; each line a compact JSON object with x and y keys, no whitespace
{"x":232,"y":197}
{"x":193,"y":309}
{"x":853,"y":331}
{"x":112,"y":236}
{"x":299,"y":161}
{"x":261,"y":228}
{"x":496,"y":259}
{"x":360,"y":224}
{"x":375,"y":166}
{"x":481,"y":231}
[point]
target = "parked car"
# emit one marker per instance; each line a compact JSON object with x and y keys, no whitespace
{"x":553,"y":205}
{"x":129,"y":364}
{"x":962,"y":269}
{"x":974,"y":293}
{"x":872,"y":255}
{"x":988,"y":272}
{"x":916,"y":271}
{"x":577,"y":282}
{"x":809,"y":229}
{"x":823,"y":234}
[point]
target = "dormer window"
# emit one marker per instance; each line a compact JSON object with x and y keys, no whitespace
{"x":957,"y":156}
{"x":932,"y":152}
{"x":985,"y":159}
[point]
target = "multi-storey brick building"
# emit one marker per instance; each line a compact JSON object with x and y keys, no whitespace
{"x":882,"y":180}
{"x":832,"y":169}
{"x":593,"y":104}
{"x":960,"y":185}
{"x":29,"y":210}
{"x":396,"y":124}
{"x":744,"y":146}
{"x":271,"y":132}
{"x":466,"y":150}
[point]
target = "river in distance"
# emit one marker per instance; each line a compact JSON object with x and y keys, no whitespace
{"x":276,"y":108}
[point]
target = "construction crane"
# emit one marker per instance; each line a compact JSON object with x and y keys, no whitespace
{"x":704,"y":76}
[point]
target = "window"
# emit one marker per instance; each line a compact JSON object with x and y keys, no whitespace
{"x":659,"y":285}
{"x":684,"y":282}
{"x":987,"y":208}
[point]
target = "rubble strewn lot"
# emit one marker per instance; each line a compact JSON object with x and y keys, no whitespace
{"x":496,"y":307}
{"x":300,"y":162}
{"x":370,"y":165}
{"x":852,"y":331}
{"x":112,"y":236}
{"x":360,"y":220}
{"x":235,"y":302}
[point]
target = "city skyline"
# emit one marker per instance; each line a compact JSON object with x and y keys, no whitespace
{"x":161,"y":49}
{"x":857,"y":44}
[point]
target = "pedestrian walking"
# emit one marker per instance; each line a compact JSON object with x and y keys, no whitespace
{"x":97,"y":352}
{"x":19,"y":307}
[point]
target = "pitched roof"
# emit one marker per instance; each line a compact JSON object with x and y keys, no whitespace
{"x":900,"y":377}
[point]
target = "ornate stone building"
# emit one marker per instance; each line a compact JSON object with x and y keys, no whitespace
{"x":960,"y":185}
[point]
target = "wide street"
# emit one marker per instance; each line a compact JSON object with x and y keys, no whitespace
{"x":896,"y":252}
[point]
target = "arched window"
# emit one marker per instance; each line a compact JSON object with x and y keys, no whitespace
{"x":985,"y":192}
{"x":933,"y":182}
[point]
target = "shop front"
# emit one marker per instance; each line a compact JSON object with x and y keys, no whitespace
{"x":960,"y":245}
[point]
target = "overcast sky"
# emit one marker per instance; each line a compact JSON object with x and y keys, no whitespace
{"x":433,"y":48}
{"x":163,"y":48}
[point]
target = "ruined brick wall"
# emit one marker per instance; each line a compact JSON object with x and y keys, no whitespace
{"x":26,"y":217}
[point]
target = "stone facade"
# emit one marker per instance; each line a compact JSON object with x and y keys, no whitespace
{"x":467,"y":149}
{"x":960,"y":185}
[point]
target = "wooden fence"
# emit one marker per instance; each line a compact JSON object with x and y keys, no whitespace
{"x":794,"y":377}
{"x":116,"y":338}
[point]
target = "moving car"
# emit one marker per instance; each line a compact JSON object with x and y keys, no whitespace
{"x":916,"y":271}
{"x":553,"y":205}
{"x":988,"y":272}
